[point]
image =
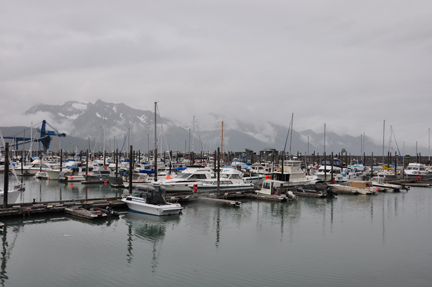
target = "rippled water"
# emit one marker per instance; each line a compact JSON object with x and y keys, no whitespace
{"x":382,"y":240}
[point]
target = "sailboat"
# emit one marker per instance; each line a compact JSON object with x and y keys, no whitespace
{"x":13,"y":194}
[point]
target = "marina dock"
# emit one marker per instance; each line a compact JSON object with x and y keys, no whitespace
{"x":74,"y":207}
{"x":81,"y":208}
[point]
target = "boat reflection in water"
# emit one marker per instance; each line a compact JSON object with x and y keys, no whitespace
{"x":149,"y":228}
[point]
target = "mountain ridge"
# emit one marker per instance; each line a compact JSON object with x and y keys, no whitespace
{"x":116,"y":121}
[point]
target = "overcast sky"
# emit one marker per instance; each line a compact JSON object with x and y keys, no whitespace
{"x":349,"y":64}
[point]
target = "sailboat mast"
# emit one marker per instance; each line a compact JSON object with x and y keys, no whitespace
{"x":31,"y":140}
{"x":193,"y":134}
{"x":155,"y":126}
{"x":222,"y":141}
{"x":103,"y":141}
{"x":155,"y":151}
{"x":324,"y":137}
{"x":292,"y":124}
{"x":383,"y":141}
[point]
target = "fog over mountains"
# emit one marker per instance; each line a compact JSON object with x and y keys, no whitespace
{"x":86,"y":121}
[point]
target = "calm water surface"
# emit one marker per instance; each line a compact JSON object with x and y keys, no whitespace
{"x":382,"y":240}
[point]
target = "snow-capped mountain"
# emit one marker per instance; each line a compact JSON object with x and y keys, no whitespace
{"x":88,"y":121}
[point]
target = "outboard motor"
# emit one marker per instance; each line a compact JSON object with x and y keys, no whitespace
{"x":330,"y":192}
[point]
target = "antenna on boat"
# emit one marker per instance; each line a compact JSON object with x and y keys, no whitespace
{"x":289,"y":133}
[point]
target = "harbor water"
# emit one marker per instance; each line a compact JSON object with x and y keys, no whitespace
{"x":379,"y":240}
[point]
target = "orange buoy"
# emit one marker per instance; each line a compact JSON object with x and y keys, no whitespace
{"x":105,"y":182}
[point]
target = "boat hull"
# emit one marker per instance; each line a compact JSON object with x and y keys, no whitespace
{"x":222,"y":188}
{"x":12,"y":196}
{"x":140,"y":206}
{"x":53,"y":174}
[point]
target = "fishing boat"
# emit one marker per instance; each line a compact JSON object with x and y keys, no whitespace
{"x":150,"y":199}
{"x":253,"y":177}
{"x":276,"y":187}
{"x":292,"y":173}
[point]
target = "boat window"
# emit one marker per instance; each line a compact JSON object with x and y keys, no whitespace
{"x":235,"y":176}
{"x":198,"y":176}
{"x":139,"y":194}
{"x":183,"y":175}
{"x":224,"y":182}
{"x":267,"y":185}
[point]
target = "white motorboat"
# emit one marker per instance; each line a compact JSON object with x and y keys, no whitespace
{"x":72,"y":174}
{"x":354,"y":187}
{"x":41,"y":175}
{"x":53,"y":174}
{"x":150,"y":199}
{"x":189,"y":177}
{"x":276,"y":187}
{"x":137,"y":178}
{"x":32,"y":168}
{"x":253,"y":177}
{"x":292,"y":173}
{"x":378,"y":181}
{"x":416,"y":169}
{"x":211,"y":185}
{"x":324,"y":173}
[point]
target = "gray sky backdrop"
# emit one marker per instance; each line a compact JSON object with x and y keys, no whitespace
{"x":349,"y":64}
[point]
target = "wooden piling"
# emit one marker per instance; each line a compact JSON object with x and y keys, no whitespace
{"x":6,"y":176}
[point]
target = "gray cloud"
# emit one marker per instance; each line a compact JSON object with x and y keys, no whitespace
{"x":349,"y":64}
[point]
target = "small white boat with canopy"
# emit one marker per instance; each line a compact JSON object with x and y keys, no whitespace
{"x":150,"y":199}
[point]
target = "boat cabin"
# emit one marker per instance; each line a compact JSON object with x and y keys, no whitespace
{"x":416,"y":169}
{"x":153,"y":194}
{"x":271,"y":186}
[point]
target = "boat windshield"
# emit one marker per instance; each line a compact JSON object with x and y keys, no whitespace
{"x":140,"y":193}
{"x":183,"y":175}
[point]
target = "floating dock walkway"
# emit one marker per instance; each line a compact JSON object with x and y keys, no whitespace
{"x":81,"y":208}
